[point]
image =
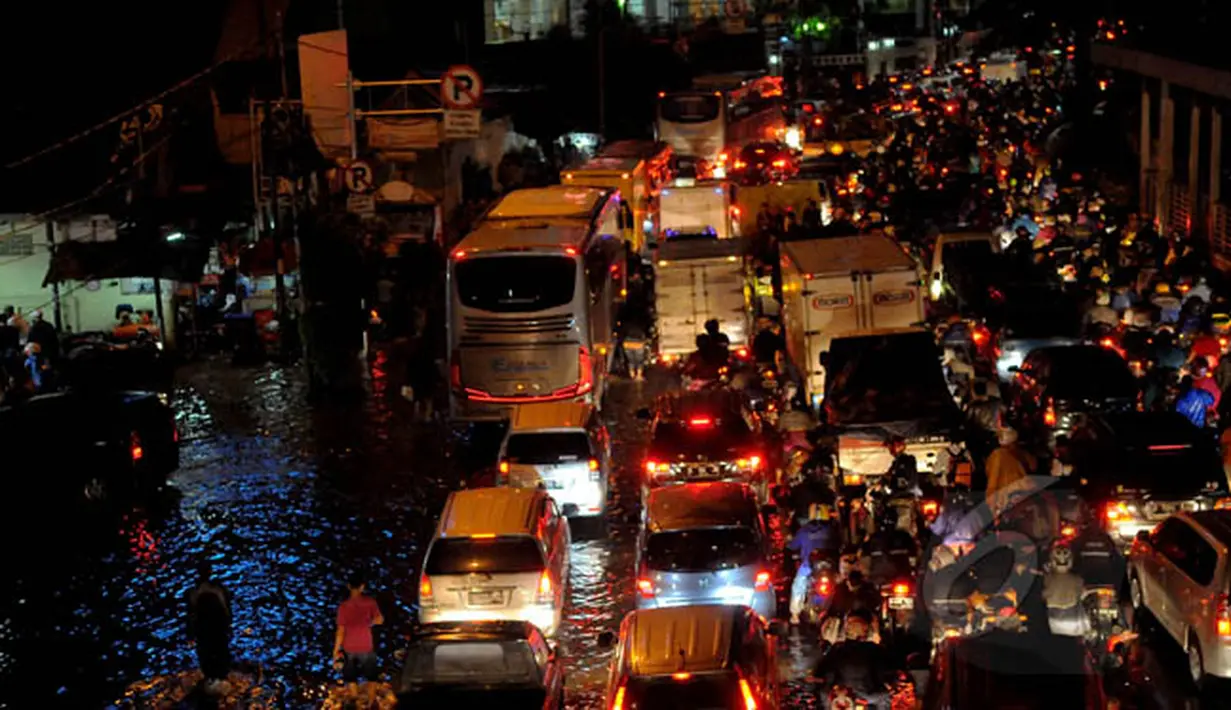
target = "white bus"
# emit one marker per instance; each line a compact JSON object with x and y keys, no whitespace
{"x":721,"y":114}
{"x":533,"y":291}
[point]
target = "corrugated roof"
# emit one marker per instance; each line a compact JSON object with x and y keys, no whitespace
{"x":687,"y":638}
{"x":841,"y":255}
{"x":486,"y":511}
{"x":515,"y":236}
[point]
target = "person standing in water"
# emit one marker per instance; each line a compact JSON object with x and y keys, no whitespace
{"x":352,"y":644}
{"x":209,"y":626}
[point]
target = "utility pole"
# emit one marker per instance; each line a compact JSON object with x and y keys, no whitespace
{"x":161,"y":251}
{"x":279,"y":237}
{"x":55,"y":285}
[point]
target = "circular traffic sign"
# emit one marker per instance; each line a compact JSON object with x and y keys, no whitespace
{"x":359,"y":177}
{"x":461,"y":87}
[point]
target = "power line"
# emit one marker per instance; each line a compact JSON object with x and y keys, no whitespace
{"x":157,"y":98}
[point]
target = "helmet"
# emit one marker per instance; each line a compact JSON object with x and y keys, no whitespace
{"x":1061,"y":558}
{"x":1007,"y":436}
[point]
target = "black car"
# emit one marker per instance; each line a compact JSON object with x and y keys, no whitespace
{"x":1056,"y":387}
{"x":1003,"y":669}
{"x":763,"y":162}
{"x":1136,"y":468}
{"x":710,"y":435}
{"x":481,"y":663}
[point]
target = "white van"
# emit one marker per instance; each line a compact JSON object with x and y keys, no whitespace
{"x":498,"y":554}
{"x":565,"y":448}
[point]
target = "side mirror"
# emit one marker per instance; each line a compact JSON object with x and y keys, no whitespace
{"x":644,"y":414}
{"x":606,"y":640}
{"x":1143,"y":536}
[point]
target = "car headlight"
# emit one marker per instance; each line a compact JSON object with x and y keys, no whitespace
{"x":164,"y":398}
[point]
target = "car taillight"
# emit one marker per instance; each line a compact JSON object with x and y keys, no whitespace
{"x":780,"y":163}
{"x":653,"y":467}
{"x":545,"y":587}
{"x":455,"y":370}
{"x":1117,"y":512}
{"x":762,"y":583}
{"x":135,"y":450}
{"x":617,"y":703}
{"x":824,"y":586}
{"x":1223,"y":617}
{"x":750,"y":701}
{"x":752,"y":462}
{"x":645,"y":587}
{"x":425,"y":588}
{"x":595,"y":473}
{"x":930,"y":507}
{"x":901,"y":589}
{"x":1068,"y":532}
{"x":585,"y":369}
{"x":1049,"y":415}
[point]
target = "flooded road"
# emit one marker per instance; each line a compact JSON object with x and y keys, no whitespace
{"x":283,"y":500}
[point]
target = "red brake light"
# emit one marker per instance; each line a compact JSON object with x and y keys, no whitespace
{"x":593,"y":464}
{"x":780,"y":163}
{"x":645,"y":587}
{"x":585,"y":369}
{"x":1223,"y":616}
{"x":570,"y":251}
{"x":762,"y":584}
{"x":817,"y":121}
{"x":901,"y":589}
{"x":809,"y":108}
{"x":1116,"y":511}
{"x":824,"y":586}
{"x":455,"y":370}
{"x":750,"y":701}
{"x":135,"y":449}
{"x":617,"y":703}
{"x":504,"y":466}
{"x":652,"y":467}
{"x":425,"y":588}
{"x":930,"y":507}
{"x":1049,"y":415}
{"x":701,"y":422}
{"x":459,"y":254}
{"x":979,"y":335}
{"x":1068,"y":532}
{"x":545,"y":587}
{"x":681,"y":676}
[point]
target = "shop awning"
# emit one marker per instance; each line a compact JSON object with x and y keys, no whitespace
{"x":93,"y":261}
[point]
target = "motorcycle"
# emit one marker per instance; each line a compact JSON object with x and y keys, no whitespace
{"x":821,"y":585}
{"x":898,"y":606}
{"x":843,"y":698}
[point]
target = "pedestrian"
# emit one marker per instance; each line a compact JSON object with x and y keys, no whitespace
{"x":209,"y":627}
{"x":353,"y":648}
{"x":37,"y":369}
{"x":422,"y":379}
{"x":634,"y":343}
{"x":45,"y":334}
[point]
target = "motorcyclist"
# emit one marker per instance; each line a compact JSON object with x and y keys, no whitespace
{"x":820,"y":535}
{"x":719,"y":345}
{"x":699,"y":366}
{"x":903,"y":474}
{"x":856,"y":663}
{"x":888,"y":550}
{"x":1062,"y":591}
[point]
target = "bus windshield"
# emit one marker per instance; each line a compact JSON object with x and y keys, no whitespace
{"x":691,"y":108}
{"x":516,"y":284}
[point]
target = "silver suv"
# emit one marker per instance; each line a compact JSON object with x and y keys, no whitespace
{"x":704,"y":543}
{"x":1179,"y":574}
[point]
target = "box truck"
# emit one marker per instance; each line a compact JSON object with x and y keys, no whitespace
{"x":695,"y":280}
{"x":835,"y":286}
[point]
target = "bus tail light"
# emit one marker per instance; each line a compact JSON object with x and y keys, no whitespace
{"x":585,"y":372}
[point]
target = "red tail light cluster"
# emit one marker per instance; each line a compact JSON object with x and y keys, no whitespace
{"x":1223,"y":618}
{"x":762,"y":583}
{"x":135,"y":450}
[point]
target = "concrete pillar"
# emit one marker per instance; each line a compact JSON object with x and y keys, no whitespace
{"x":1215,"y":166}
{"x":1146,"y":141}
{"x":1166,"y":155}
{"x":1194,"y":154}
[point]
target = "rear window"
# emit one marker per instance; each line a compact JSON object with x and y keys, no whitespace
{"x":515,"y":284}
{"x":1091,"y":373}
{"x":700,"y":692}
{"x":702,"y":550}
{"x":691,"y":108}
{"x":546,"y":448}
{"x":470,"y":662}
{"x":501,"y":555}
{"x":724,"y":438}
{"x":1163,"y":469}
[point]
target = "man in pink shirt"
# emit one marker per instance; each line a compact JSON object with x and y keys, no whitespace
{"x":352,"y":645}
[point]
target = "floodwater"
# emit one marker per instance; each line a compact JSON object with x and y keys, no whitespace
{"x":283,"y":500}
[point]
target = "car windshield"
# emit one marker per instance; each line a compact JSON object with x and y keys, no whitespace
{"x":702,"y":550}
{"x":515,"y":283}
{"x":501,"y":555}
{"x":548,"y":447}
{"x":704,"y":437}
{"x":709,"y":691}
{"x":885,"y":379}
{"x":488,"y":662}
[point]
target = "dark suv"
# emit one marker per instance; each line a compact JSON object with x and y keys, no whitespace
{"x":705,"y":436}
{"x":1055,"y":387}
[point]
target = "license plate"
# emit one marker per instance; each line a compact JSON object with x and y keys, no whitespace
{"x":901,"y":603}
{"x":486,"y":598}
